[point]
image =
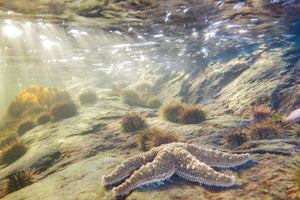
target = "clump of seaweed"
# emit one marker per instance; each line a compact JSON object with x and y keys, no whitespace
{"x":153,"y":137}
{"x":131,"y":98}
{"x":294,"y":178}
{"x":261,"y":113}
{"x":32,"y":101}
{"x":13,"y":151}
{"x":88,"y":97}
{"x":18,"y":180}
{"x":25,"y":126}
{"x":39,"y":95}
{"x":192,"y":114}
{"x":44,"y":118}
{"x":62,"y":110}
{"x":264,"y":130}
{"x":171,"y":111}
{"x":235,"y":138}
{"x":133,"y":122}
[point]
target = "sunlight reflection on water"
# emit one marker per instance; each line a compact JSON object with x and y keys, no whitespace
{"x":42,"y":52}
{"x":11,"y":31}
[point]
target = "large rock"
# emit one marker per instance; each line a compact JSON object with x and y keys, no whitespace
{"x":234,"y":87}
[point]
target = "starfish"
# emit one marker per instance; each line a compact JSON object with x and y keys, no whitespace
{"x":186,"y":160}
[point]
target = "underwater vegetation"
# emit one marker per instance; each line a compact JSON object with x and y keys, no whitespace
{"x":133,"y":122}
{"x":261,"y":113}
{"x":264,"y":130}
{"x":63,"y":110}
{"x":88,"y":97}
{"x":40,"y":95}
{"x":13,"y":151}
{"x":192,"y":114}
{"x":18,"y":180}
{"x":294,"y":177}
{"x":235,"y":138}
{"x":180,"y":113}
{"x":171,"y":111}
{"x":25,"y":126}
{"x":153,"y":137}
{"x":32,"y":101}
{"x":44,"y":118}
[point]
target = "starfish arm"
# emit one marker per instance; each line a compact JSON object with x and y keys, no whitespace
{"x":160,"y":169}
{"x":216,"y":158}
{"x":128,"y":166}
{"x":188,"y":167}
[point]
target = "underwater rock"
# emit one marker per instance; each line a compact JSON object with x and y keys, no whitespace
{"x":294,"y":116}
{"x":72,"y":155}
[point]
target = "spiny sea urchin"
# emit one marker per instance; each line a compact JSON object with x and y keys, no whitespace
{"x":235,"y":138}
{"x":144,"y":87}
{"x":171,"y":111}
{"x":163,"y":138}
{"x":192,"y":114}
{"x":261,"y":113}
{"x":264,"y":130}
{"x":64,"y":109}
{"x":133,"y":122}
{"x":88,"y":97}
{"x":12,"y":151}
{"x":44,"y":118}
{"x":25,"y":126}
{"x":295,"y":131}
{"x":153,"y":102}
{"x":131,"y":98}
{"x":16,"y":108}
{"x":294,"y":177}
{"x":19,"y":180}
{"x":145,"y":136}
{"x":153,"y":137}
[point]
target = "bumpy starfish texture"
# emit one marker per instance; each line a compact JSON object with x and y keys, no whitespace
{"x":186,"y":160}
